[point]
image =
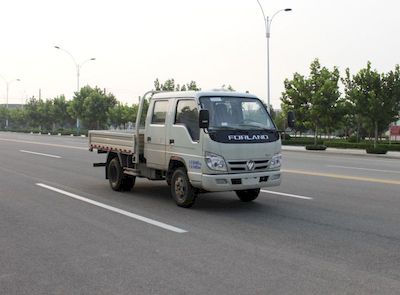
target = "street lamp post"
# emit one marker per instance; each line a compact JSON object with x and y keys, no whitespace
{"x":8,"y":83}
{"x":267,"y":22}
{"x":78,"y":67}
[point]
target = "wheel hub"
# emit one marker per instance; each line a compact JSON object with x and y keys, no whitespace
{"x":180,"y":188}
{"x":113,"y":173}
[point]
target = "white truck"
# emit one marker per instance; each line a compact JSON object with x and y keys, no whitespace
{"x":204,"y":141}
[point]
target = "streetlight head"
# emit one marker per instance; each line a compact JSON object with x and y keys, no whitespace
{"x":93,"y":58}
{"x":56,"y":47}
{"x":18,"y":80}
{"x":288,"y":9}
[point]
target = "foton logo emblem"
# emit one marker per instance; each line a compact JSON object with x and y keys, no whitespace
{"x":250,"y":165}
{"x":248,"y":137}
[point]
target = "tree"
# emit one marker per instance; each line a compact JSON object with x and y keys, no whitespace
{"x":314,"y":99}
{"x":33,"y":115}
{"x":353,"y":106}
{"x":169,"y":85}
{"x":46,"y":114}
{"x":324,"y":97}
{"x":121,"y":114}
{"x":296,"y":98}
{"x":76,"y":107}
{"x":17,"y":118}
{"x":60,"y":111}
{"x":228,"y":88}
{"x":96,"y":107}
{"x":192,"y":86}
{"x":376,"y":98}
{"x":3,"y":116}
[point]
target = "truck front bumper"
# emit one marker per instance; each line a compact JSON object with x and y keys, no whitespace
{"x":242,"y":181}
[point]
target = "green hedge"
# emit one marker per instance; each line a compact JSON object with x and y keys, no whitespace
{"x":60,"y":131}
{"x":378,"y":150}
{"x":346,"y":145}
{"x":341,"y":144}
{"x":301,"y":141}
{"x":361,"y":145}
{"x":318,"y":147}
{"x":285,"y":136}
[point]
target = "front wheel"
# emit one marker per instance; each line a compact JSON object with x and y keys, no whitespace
{"x":128,"y":182}
{"x":181,"y":190}
{"x":248,"y":195}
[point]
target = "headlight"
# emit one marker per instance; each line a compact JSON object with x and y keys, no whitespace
{"x":276,"y":161}
{"x":215,"y":162}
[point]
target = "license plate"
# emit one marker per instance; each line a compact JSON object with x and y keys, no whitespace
{"x":251,"y":180}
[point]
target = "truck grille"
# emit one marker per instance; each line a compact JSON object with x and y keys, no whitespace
{"x":240,"y":166}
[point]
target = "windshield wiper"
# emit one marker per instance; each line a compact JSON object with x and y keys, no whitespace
{"x":223,"y":128}
{"x":258,"y":127}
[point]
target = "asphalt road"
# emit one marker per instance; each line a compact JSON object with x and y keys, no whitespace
{"x":335,"y":229}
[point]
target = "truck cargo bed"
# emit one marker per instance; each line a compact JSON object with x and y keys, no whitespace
{"x":118,"y":141}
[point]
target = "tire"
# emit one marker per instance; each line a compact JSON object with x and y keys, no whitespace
{"x":118,"y":181}
{"x":248,"y":195}
{"x":128,"y":182}
{"x":181,"y":190}
{"x":115,"y":174}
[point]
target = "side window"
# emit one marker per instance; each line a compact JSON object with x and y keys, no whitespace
{"x":159,"y":112}
{"x":188,"y":115}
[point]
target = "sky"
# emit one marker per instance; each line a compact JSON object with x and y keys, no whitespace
{"x":211,"y":42}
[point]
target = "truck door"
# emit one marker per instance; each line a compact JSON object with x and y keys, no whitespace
{"x":183,"y":137}
{"x":155,"y":137}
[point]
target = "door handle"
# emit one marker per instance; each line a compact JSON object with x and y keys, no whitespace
{"x":171,"y":141}
{"x":148,"y":139}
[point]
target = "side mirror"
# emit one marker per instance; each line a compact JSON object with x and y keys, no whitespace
{"x":291,"y":120}
{"x":204,"y":119}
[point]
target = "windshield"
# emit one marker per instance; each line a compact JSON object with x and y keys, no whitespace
{"x":237,"y":113}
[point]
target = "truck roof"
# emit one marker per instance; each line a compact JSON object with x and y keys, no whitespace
{"x":197,"y":94}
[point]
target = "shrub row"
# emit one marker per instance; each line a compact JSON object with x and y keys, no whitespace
{"x":363,"y":145}
{"x":301,"y":141}
{"x":61,"y":131}
{"x":378,"y":150}
{"x":318,"y":147}
{"x":334,"y":143}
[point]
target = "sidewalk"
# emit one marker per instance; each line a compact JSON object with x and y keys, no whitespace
{"x":354,"y":152}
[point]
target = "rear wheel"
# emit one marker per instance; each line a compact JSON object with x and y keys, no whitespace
{"x":115,"y":174}
{"x":118,"y":181}
{"x":182,"y":191}
{"x":248,"y":195}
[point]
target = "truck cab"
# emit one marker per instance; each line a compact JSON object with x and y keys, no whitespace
{"x":204,"y":141}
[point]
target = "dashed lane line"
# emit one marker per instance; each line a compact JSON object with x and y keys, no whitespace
{"x":365,"y":169}
{"x":287,"y":195}
{"x":116,"y":210}
{"x":347,"y":177}
{"x":43,"y":143}
{"x":40,"y":154}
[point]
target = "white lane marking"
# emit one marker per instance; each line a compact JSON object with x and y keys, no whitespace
{"x":40,"y":154}
{"x":123,"y":212}
{"x":366,"y":169}
{"x":48,"y":144}
{"x":341,"y":156}
{"x":287,"y":195}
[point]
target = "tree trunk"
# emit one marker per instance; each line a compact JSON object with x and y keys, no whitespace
{"x":284,"y":130}
{"x":376,"y":134}
{"x":315,"y":134}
